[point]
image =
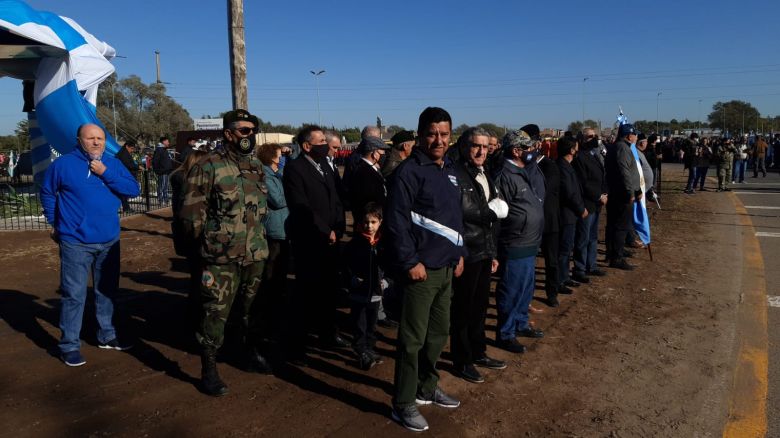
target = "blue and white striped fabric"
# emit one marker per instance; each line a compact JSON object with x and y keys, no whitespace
{"x":641,"y":221}
{"x":66,"y":80}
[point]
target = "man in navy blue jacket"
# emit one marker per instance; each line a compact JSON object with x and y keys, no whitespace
{"x":424,"y":228}
{"x":81,"y":195}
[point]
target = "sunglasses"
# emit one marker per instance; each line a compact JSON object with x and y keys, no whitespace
{"x":244,"y":130}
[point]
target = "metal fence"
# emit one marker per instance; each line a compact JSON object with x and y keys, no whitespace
{"x":20,"y":204}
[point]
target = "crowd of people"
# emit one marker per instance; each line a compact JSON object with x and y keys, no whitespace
{"x":433,"y":223}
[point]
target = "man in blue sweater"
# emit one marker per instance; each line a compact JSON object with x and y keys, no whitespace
{"x":81,"y":195}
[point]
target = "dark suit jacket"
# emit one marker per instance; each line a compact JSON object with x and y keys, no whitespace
{"x":552,"y":204}
{"x":590,"y":173}
{"x":571,"y":194}
{"x":365,"y":185}
{"x":313,"y":200}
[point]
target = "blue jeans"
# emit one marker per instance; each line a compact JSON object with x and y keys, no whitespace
{"x":691,"y":178}
{"x":76,"y":262}
{"x":701,"y":176}
{"x":739,"y":170}
{"x":162,"y":189}
{"x":586,"y":244}
{"x":566,"y":245}
{"x":513,"y":295}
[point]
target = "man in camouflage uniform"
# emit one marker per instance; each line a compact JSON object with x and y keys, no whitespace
{"x":223,"y":210}
{"x":726,"y":154}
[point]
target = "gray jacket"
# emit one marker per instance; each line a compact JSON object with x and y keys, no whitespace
{"x":647,"y":171}
{"x":622,"y":172}
{"x":524,"y":225}
{"x":276,"y":217}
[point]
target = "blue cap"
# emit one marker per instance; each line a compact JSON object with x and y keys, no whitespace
{"x":626,"y":129}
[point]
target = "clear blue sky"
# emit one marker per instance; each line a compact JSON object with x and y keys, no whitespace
{"x":506,"y":62}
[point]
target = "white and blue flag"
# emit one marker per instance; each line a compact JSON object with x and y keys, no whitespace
{"x":67,"y":65}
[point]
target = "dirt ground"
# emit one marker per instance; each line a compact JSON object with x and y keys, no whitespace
{"x":646,"y":353}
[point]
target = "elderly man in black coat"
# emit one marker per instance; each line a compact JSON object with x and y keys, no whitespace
{"x":590,"y":171}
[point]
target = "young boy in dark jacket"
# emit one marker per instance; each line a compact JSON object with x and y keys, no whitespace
{"x":367,"y":284}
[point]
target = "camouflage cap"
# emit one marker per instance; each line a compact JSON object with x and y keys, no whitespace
{"x":517,"y":139}
{"x":238,"y":115}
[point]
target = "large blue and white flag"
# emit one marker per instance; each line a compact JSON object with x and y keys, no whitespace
{"x":641,"y":221}
{"x":66,"y":63}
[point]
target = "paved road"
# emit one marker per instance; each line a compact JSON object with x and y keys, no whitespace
{"x":761,"y":197}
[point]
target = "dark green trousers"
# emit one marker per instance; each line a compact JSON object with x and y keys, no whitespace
{"x":220,"y":284}
{"x":422,"y":333}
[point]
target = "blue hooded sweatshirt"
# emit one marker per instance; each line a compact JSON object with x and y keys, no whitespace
{"x":82,"y":206}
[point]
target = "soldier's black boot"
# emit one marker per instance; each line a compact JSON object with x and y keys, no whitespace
{"x":256,"y":363}
{"x":210,"y":382}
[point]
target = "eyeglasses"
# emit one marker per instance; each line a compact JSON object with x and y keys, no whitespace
{"x":245,"y":130}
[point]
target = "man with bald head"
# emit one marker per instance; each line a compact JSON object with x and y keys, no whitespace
{"x":81,"y":195}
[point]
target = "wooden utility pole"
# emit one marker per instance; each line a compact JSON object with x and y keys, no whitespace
{"x":237,"y":53}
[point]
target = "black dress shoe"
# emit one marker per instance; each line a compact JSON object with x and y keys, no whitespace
{"x":597,"y":273}
{"x":530,"y":333}
{"x":256,"y":363}
{"x":334,"y":341}
{"x":580,"y":278}
{"x":552,"y":301}
{"x":571,"y":283}
{"x":490,"y":363}
{"x":511,"y":345}
{"x":387,"y":323}
{"x":621,"y":264}
{"x":563,"y":290}
{"x":469,"y":373}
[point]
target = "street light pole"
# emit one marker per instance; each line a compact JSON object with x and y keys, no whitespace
{"x":317,"y":84}
{"x":698,"y":119}
{"x":583,"y":99}
{"x":657,"y":111}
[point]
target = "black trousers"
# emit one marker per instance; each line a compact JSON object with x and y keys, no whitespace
{"x":467,"y":312}
{"x":550,"y":250}
{"x":313,"y":301}
{"x":273,"y":295}
{"x":364,"y":316}
{"x":618,"y":226}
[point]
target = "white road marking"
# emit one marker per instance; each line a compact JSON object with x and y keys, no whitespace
{"x":767,"y":234}
{"x":756,"y":193}
{"x":773,"y":301}
{"x":761,"y":184}
{"x":762,"y":207}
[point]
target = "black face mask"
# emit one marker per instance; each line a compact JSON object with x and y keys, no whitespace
{"x":382,"y":159}
{"x":319,"y":151}
{"x":245,"y":145}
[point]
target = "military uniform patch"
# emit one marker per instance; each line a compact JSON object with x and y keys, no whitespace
{"x":207,"y":279}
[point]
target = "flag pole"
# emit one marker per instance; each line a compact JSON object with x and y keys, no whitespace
{"x":650,"y":251}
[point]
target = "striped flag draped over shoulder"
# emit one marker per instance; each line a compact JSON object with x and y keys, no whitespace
{"x":66,"y":63}
{"x":641,"y":222}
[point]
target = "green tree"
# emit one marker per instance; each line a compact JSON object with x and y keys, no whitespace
{"x":735,"y":116}
{"x":22,"y":132}
{"x":143,"y":112}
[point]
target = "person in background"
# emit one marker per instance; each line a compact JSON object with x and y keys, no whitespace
{"x":125,"y":155}
{"x":759,"y":156}
{"x":162,"y":164}
{"x":741,"y":157}
{"x":403,"y":142}
{"x":82,"y":209}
